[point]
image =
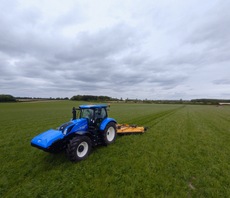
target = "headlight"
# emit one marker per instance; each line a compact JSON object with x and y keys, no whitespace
{"x":65,"y":131}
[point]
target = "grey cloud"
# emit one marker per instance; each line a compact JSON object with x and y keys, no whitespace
{"x":16,"y":23}
{"x":98,"y":45}
{"x":222,"y":81}
{"x":72,"y":16}
{"x":167,"y":79}
{"x":215,"y":31}
{"x":212,"y":34}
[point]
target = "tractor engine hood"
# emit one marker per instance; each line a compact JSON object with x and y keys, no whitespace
{"x":46,"y":139}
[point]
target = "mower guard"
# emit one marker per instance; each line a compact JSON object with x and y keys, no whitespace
{"x":129,"y":129}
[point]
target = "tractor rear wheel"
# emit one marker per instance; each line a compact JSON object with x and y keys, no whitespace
{"x":79,"y":148}
{"x":109,"y":134}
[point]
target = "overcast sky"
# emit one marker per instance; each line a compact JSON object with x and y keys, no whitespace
{"x":154,"y":49}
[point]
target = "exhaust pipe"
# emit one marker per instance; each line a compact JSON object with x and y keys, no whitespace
{"x":74,"y":113}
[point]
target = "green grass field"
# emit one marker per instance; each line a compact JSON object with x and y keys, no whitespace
{"x":185,"y":153}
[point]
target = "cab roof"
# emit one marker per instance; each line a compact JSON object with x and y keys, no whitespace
{"x":92,"y":106}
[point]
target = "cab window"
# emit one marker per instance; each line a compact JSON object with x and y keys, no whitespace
{"x":87,"y":113}
{"x":103,"y":113}
{"x":100,"y":113}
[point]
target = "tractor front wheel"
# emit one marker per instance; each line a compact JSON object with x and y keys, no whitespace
{"x":79,"y":148}
{"x":110,"y":133}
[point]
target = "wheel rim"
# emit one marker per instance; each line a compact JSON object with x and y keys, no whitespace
{"x":110,"y":134}
{"x":82,"y":149}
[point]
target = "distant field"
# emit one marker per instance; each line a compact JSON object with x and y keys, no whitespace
{"x":185,"y":153}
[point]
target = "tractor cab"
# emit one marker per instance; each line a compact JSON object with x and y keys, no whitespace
{"x":94,"y":114}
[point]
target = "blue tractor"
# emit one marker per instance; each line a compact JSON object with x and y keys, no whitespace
{"x":90,"y":126}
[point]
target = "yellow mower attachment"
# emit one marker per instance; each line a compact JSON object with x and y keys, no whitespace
{"x":128,"y":129}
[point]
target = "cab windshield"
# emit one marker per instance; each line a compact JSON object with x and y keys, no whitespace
{"x":87,"y":113}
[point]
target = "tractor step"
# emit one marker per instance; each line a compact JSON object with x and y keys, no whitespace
{"x":128,"y":129}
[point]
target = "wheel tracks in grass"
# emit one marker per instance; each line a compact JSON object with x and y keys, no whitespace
{"x":213,"y":121}
{"x":224,"y":118}
{"x":152,"y":119}
{"x":211,"y":150}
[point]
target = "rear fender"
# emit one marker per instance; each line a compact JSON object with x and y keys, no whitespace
{"x":105,"y":122}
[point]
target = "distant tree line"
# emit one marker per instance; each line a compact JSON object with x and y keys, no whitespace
{"x":7,"y":98}
{"x":92,"y":98}
{"x":193,"y":101}
{"x":210,"y":101}
{"x":39,"y":98}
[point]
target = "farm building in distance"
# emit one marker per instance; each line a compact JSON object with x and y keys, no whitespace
{"x":222,"y":103}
